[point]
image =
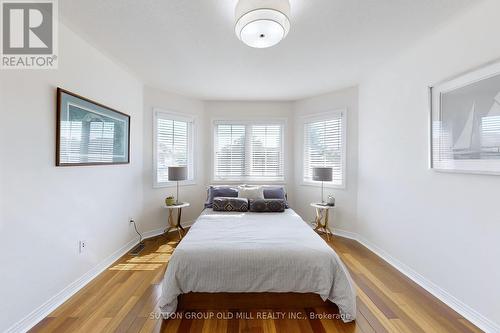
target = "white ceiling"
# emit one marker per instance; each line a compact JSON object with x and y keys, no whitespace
{"x":189,"y":46}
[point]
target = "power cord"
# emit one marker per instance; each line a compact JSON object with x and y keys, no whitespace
{"x":139,"y":247}
{"x":137,"y":231}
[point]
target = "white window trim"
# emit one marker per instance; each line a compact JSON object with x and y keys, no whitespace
{"x":321,"y":116}
{"x":191,"y":145}
{"x":248,"y":121}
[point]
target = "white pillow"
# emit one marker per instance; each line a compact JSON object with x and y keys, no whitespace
{"x":251,"y":192}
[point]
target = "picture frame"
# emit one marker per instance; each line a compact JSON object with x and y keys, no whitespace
{"x":90,"y":133}
{"x":465,"y":122}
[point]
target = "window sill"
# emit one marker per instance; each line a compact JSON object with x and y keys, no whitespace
{"x":326,"y":185}
{"x":174,"y":184}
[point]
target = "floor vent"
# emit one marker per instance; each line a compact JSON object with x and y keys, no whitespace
{"x":137,"y":249}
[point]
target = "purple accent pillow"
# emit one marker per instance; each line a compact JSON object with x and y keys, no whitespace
{"x":219,"y":191}
{"x":275,"y":193}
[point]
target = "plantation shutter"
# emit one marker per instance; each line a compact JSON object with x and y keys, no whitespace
{"x":245,"y":151}
{"x":323,"y":147}
{"x":173,"y":146}
{"x":266,"y":147}
{"x":230,"y":151}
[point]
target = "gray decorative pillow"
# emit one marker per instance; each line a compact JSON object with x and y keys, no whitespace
{"x":223,"y":204}
{"x":276,"y":192}
{"x":267,"y":205}
{"x":219,"y":191}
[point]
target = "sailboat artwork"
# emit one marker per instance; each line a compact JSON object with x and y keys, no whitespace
{"x":480,"y":137}
{"x":465,"y":122}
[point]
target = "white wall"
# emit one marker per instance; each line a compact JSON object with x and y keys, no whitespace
{"x":444,"y":226}
{"x":346,"y":199}
{"x":47,"y":209}
{"x":155,"y":213}
{"x":241,"y":110}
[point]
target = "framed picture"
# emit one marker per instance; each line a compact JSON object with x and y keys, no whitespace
{"x":89,"y":133}
{"x":465,"y":122}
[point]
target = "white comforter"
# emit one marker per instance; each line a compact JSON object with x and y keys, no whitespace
{"x":256,"y":252}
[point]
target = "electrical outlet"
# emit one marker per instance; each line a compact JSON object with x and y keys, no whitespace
{"x":82,"y":246}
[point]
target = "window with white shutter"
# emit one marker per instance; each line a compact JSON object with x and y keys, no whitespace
{"x":173,"y":142}
{"x":246,"y":151}
{"x":324,"y":146}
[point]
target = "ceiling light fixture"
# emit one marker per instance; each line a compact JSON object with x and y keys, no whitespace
{"x":262,"y":23}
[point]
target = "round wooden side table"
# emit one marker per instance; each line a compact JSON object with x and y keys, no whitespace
{"x":321,"y":221}
{"x":176,"y":223}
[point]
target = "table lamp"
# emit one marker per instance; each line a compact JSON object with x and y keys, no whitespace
{"x":322,"y":174}
{"x":177,"y":173}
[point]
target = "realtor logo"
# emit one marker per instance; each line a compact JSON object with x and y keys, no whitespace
{"x":29,"y":34}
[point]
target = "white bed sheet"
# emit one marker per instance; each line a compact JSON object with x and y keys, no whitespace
{"x":256,"y":252}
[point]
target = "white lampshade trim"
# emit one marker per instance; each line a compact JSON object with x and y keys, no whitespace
{"x":262,"y":24}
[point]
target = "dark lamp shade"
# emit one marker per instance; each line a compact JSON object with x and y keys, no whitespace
{"x":322,"y":174}
{"x":177,"y":173}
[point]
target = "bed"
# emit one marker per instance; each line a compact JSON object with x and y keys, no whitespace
{"x":269,"y":253}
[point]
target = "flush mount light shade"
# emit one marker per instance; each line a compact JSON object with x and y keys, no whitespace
{"x":262,"y":23}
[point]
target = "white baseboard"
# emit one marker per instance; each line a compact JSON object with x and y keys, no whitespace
{"x":53,"y":303}
{"x":463,"y":309}
{"x":346,"y":234}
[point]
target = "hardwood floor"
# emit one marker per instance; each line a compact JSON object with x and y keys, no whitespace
{"x":124,"y":299}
